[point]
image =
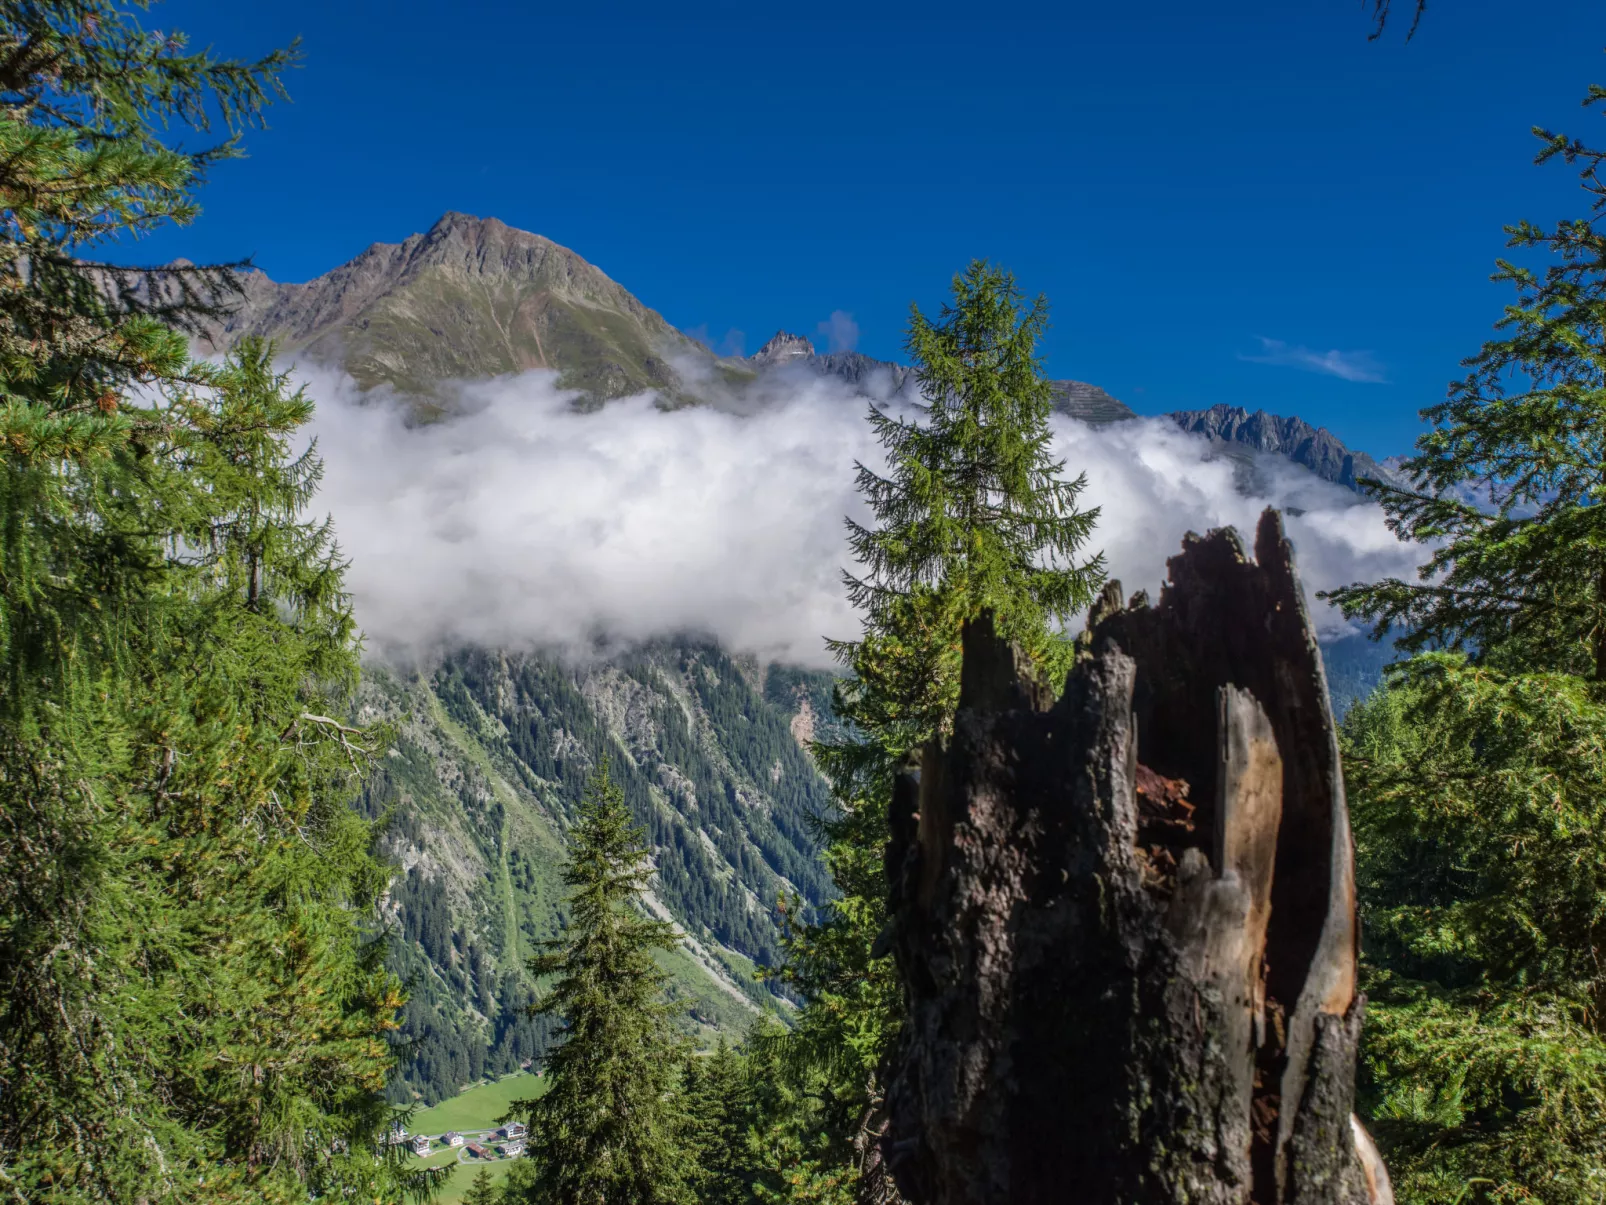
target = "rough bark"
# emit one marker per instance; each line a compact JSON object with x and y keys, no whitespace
{"x":1125,"y":920}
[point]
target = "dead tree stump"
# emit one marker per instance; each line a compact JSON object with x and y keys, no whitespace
{"x":1125,"y":920}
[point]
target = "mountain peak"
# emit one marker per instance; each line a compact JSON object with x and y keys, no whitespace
{"x":782,"y":347}
{"x":1315,"y":448}
{"x":469,"y":298}
{"x":455,"y":222}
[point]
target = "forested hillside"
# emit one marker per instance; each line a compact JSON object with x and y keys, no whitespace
{"x":480,"y":787}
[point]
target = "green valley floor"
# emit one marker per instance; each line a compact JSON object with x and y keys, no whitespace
{"x":473,"y":1112}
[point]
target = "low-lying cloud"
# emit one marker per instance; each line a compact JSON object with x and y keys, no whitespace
{"x":524,"y":523}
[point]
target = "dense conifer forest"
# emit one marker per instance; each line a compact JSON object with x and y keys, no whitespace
{"x":261,"y":898}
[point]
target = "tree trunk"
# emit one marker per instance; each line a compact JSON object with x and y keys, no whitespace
{"x":1125,"y":920}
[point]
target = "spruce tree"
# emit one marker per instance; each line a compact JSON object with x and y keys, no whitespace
{"x":1509,"y":482}
{"x":1476,"y":774}
{"x":973,"y":512}
{"x":718,"y":1108}
{"x":606,"y":1130}
{"x":192,"y":1007}
{"x":482,"y":1191}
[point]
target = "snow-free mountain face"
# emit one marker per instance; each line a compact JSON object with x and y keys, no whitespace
{"x":494,"y":745}
{"x":469,"y":299}
{"x":1312,"y":448}
{"x":474,"y":298}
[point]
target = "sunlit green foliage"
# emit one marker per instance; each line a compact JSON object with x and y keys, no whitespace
{"x":1479,"y":803}
{"x":973,"y":512}
{"x":189,"y":1008}
{"x":607,"y":1130}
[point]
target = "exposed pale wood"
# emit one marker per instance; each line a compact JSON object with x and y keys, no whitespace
{"x":1125,"y":919}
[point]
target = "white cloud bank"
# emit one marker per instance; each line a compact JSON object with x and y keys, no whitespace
{"x":523,"y":523}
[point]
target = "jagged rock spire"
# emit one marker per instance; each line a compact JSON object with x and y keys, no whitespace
{"x":782,"y":347}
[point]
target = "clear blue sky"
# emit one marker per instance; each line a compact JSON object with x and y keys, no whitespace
{"x":1184,"y":180}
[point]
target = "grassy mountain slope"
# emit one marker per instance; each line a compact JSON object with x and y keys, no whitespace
{"x":469,"y":299}
{"x":491,"y":758}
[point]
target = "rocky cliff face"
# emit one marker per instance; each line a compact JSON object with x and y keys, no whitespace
{"x":1313,"y":448}
{"x":781,"y":349}
{"x":492,"y":755}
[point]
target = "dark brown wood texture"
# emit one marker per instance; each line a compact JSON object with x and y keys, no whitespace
{"x":1125,"y":920}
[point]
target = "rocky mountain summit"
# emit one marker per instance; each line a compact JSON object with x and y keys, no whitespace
{"x":1313,"y":448}
{"x":781,"y":349}
{"x":470,"y":298}
{"x":473,"y":298}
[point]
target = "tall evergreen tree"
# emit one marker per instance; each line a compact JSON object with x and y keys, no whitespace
{"x":718,"y":1109}
{"x":482,"y":1191}
{"x":606,"y":1130}
{"x":1476,"y":774}
{"x":972,"y":512}
{"x":189,"y":1009}
{"x":1509,"y":482}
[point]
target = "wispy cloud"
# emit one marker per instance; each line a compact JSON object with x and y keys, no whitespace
{"x":1347,"y":365}
{"x":731,"y":343}
{"x":840,"y":331}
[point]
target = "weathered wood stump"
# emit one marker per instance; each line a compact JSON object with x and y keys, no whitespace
{"x":1125,"y":920}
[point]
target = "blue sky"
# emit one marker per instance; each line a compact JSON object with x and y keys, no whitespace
{"x":1243,"y":202}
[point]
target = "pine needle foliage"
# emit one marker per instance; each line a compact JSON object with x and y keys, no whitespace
{"x":1524,"y":577}
{"x":973,"y":512}
{"x":191,"y":1008}
{"x":717,"y":1107}
{"x":1476,"y":775}
{"x":88,"y":97}
{"x":190,"y":1005}
{"x":607,"y":1130}
{"x":1479,"y":802}
{"x":482,"y":1191}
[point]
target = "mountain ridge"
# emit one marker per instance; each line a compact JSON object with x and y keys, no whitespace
{"x":1314,"y":448}
{"x":469,"y":298}
{"x":1233,"y":429}
{"x":494,"y":746}
{"x":473,"y":297}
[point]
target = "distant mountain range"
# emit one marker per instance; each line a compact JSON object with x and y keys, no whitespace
{"x":469,"y":299}
{"x":493,"y":746}
{"x":474,"y":298}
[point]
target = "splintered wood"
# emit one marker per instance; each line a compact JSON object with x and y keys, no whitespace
{"x":1124,"y":918}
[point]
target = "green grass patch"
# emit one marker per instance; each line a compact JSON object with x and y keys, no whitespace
{"x":463,"y":1179}
{"x":477,"y":1108}
{"x":436,"y":1158}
